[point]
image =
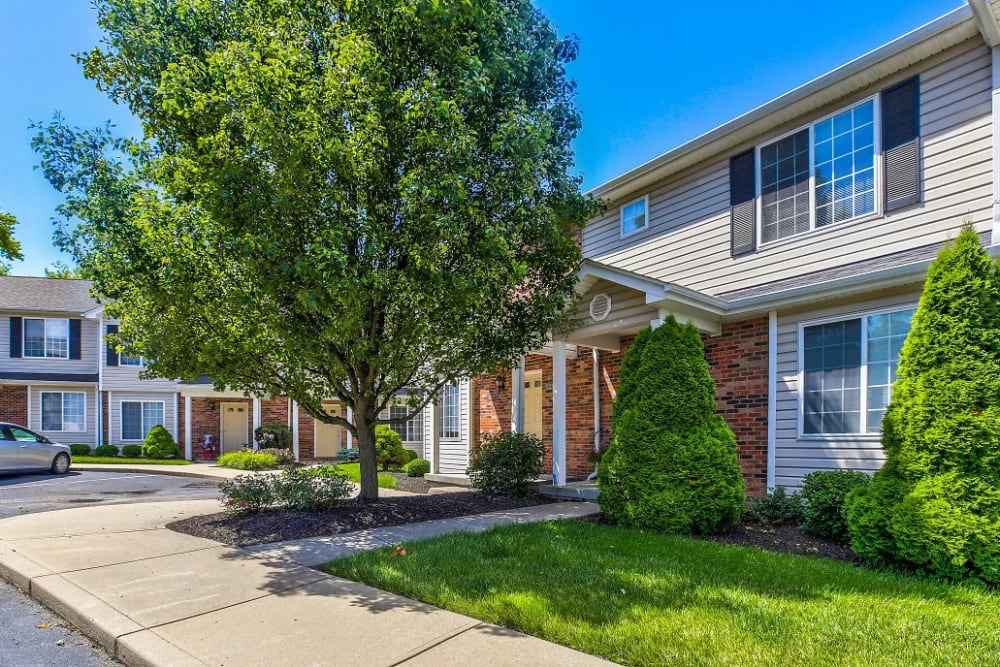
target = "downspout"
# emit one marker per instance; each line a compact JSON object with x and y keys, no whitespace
{"x":597,"y":408}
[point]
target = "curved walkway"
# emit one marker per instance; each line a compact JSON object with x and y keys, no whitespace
{"x":152,"y":596}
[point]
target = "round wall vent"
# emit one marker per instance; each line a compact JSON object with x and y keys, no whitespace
{"x":600,"y":306}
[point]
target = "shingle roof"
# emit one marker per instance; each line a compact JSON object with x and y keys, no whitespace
{"x":54,"y":295}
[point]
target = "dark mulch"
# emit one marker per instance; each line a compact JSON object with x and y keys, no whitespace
{"x":281,"y":525}
{"x":413,"y":484}
{"x":783,"y":539}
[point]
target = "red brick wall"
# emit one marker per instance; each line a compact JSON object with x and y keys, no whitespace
{"x":14,"y":404}
{"x":274,"y":411}
{"x":739,"y":365}
{"x":106,"y":419}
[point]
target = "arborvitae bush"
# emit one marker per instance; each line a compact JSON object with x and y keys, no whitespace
{"x":159,"y":444}
{"x":389,"y":451}
{"x":935,"y":505}
{"x":672,"y":465}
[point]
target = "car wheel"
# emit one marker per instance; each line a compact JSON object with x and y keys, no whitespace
{"x":60,"y":464}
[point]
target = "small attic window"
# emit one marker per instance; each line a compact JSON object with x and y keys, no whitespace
{"x":635,"y":217}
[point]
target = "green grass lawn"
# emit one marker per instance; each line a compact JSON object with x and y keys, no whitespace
{"x":123,"y":460}
{"x":353,"y":471}
{"x":644,"y":599}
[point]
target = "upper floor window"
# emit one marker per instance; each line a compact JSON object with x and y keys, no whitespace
{"x":634,"y":216}
{"x":412,"y":429}
{"x":46,"y":338}
{"x":450,"y":426}
{"x":125,"y":360}
{"x":819,"y":175}
{"x":848,"y":369}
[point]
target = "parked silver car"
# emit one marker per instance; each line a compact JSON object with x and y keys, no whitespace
{"x":22,"y":450}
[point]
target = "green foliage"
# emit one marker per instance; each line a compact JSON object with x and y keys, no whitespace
{"x":132,"y":451}
{"x":10,"y":249}
{"x":246,"y":494}
{"x":282,"y":456}
{"x":778,"y":508}
{"x":410,"y":455}
{"x":353,"y":472}
{"x":248,"y":459}
{"x":79,"y":449}
{"x":349,"y":455}
{"x":159,"y":444}
{"x":935,"y":505}
{"x":121,"y":460}
{"x":295,"y":489}
{"x":506,"y":464}
{"x":823,"y":495}
{"x":389,"y":451}
{"x":417,"y":468}
{"x":106,"y":450}
{"x":672,"y":465}
{"x":273,"y":436}
{"x":346,"y":200}
{"x":63,"y":271}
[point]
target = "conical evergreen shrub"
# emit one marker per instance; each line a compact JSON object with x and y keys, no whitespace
{"x":672,"y":465}
{"x":935,"y":505}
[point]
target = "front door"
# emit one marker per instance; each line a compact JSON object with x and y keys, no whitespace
{"x":327,"y":440}
{"x":235,"y":433}
{"x":533,"y":403}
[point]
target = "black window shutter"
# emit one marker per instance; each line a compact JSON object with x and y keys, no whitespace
{"x":901,"y":143}
{"x":16,"y":331}
{"x":74,"y":339}
{"x":112,"y":354}
{"x":742,"y":209}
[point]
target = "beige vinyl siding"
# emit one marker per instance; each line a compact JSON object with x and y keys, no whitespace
{"x":625,"y":303}
{"x":453,"y":455}
{"x":795,"y":456}
{"x":126,"y":378}
{"x":87,"y":363}
{"x":688,"y":239}
{"x":115,"y":413}
{"x":89,"y":436}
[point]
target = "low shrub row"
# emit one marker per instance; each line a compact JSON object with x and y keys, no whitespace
{"x":248,"y":459}
{"x":293,"y":489}
{"x":817,"y":509}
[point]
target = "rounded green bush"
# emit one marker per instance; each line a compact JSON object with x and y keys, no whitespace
{"x":672,"y":465}
{"x":506,"y":464}
{"x":935,"y":505}
{"x":132,"y":451}
{"x":273,"y":436}
{"x":79,"y":449}
{"x":823,"y":495}
{"x":159,"y":444}
{"x":778,"y":508}
{"x":410,"y":456}
{"x":389,"y":451}
{"x":106,"y":450}
{"x":417,"y":468}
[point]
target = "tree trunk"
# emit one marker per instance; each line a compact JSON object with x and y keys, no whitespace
{"x":366,"y":450}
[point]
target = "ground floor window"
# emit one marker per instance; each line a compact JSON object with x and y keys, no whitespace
{"x":64,"y":411}
{"x":139,"y":417}
{"x":450,"y":412}
{"x":411,"y":430}
{"x":848,"y":367}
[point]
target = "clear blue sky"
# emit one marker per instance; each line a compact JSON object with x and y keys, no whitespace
{"x":651,"y":75}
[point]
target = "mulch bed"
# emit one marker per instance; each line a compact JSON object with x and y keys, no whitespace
{"x":281,"y":525}
{"x":783,"y":539}
{"x":413,"y":484}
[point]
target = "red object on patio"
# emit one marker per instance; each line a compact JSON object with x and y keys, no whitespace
{"x":208,"y":447}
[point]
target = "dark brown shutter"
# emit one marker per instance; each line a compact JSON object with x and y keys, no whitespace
{"x":74,"y":339}
{"x":742,"y":208}
{"x":111,"y":353}
{"x":16,"y":341}
{"x":901,"y":143}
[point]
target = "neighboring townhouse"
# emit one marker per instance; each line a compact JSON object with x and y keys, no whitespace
{"x":796,"y":237}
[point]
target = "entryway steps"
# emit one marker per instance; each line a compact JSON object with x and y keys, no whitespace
{"x":573,"y":490}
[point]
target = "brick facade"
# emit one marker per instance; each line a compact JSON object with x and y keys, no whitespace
{"x":739,"y":365}
{"x":14,"y":404}
{"x":206,"y":419}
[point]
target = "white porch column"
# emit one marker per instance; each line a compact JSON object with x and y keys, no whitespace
{"x":350,"y":436}
{"x":517,"y":397}
{"x":559,"y":412}
{"x":435,"y":435}
{"x":188,"y":445}
{"x":295,"y":430}
{"x":256,"y":421}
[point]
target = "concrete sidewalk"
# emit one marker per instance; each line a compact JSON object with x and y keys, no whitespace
{"x":152,"y":596}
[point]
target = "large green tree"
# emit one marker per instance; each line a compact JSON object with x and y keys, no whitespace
{"x":333,"y":198}
{"x":935,"y":504}
{"x":10,"y":248}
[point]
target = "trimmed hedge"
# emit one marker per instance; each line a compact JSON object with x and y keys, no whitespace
{"x":672,"y":465}
{"x":106,"y":450}
{"x":823,"y":495}
{"x":79,"y":449}
{"x":506,"y":464}
{"x":935,"y":504}
{"x":410,"y":455}
{"x":417,"y":468}
{"x":132,"y":451}
{"x":159,"y":444}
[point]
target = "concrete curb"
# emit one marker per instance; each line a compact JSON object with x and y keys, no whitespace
{"x":172,"y":471}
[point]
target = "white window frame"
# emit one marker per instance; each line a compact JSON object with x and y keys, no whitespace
{"x":813,"y":229}
{"x":800,"y":387}
{"x":45,"y":338}
{"x":458,"y":405}
{"x":122,"y":355}
{"x":415,"y":417}
{"x":621,"y":217}
{"x":62,"y":413}
{"x":142,"y":417}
